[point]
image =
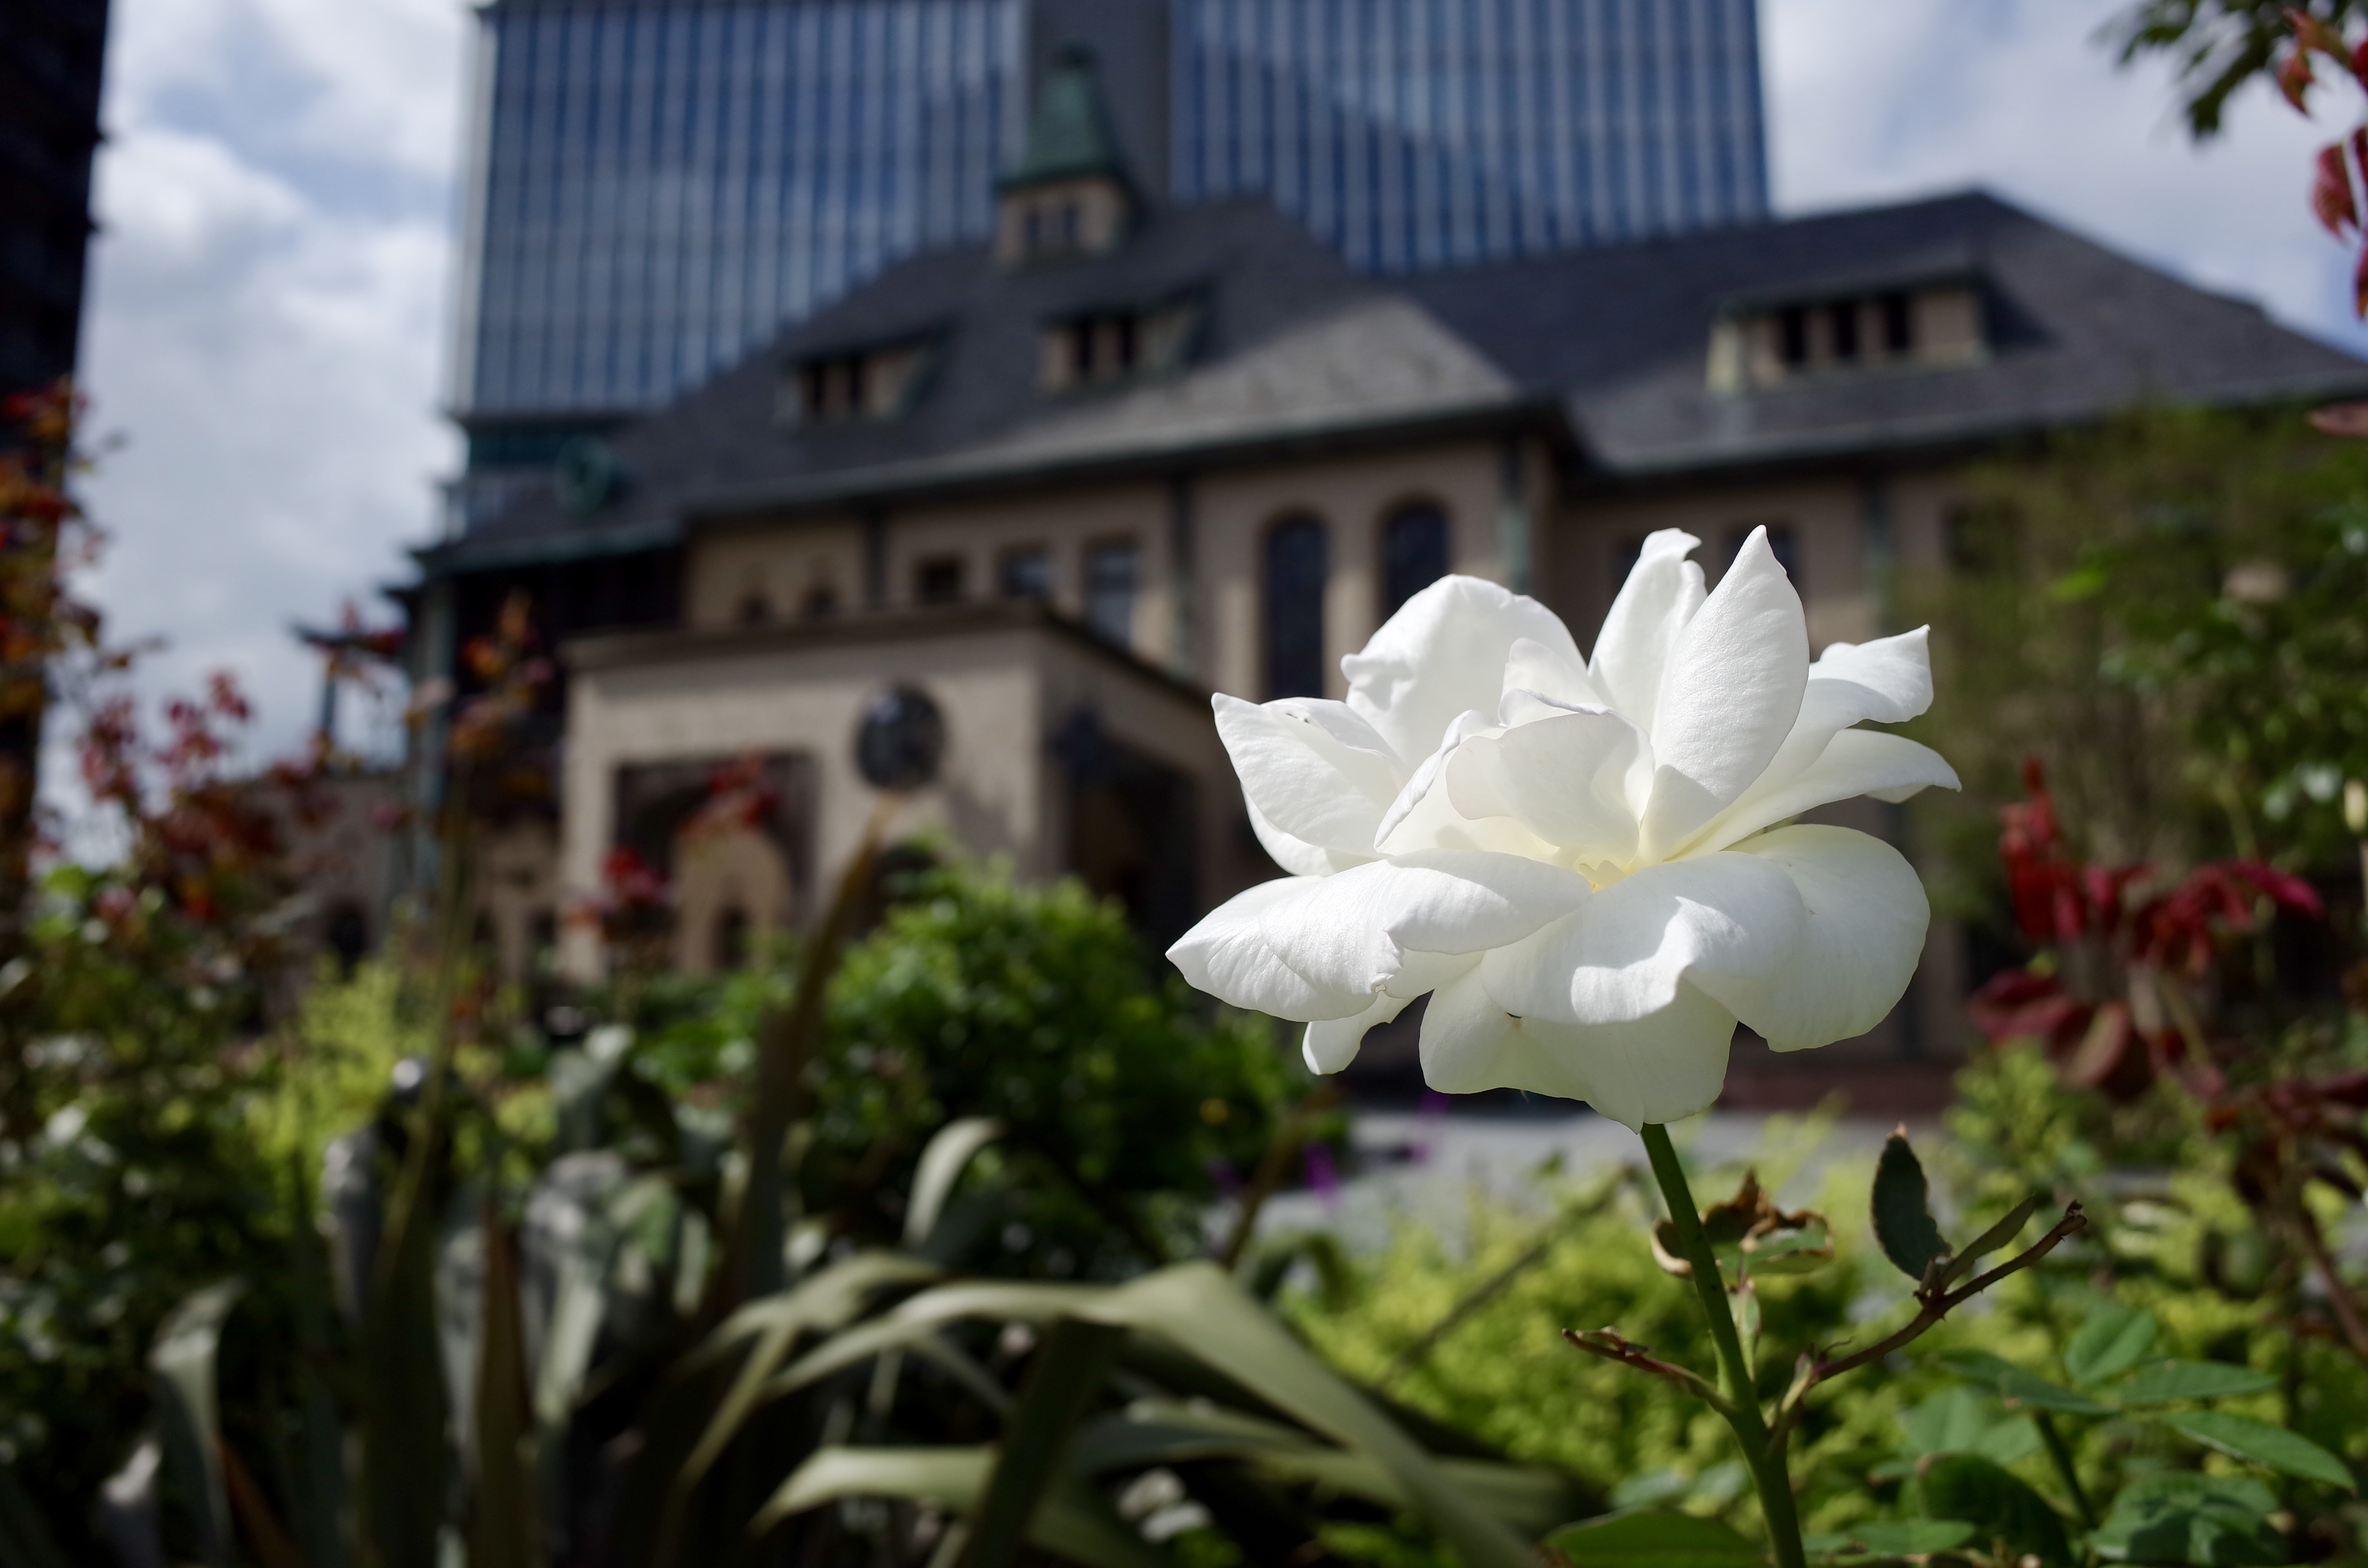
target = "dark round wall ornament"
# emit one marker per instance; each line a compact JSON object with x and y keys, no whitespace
{"x":902,"y":739}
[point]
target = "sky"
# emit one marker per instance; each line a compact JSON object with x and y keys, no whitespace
{"x":269,"y":322}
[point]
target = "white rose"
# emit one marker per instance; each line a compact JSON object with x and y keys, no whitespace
{"x":1581,"y":862}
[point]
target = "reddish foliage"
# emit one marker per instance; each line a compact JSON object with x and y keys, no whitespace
{"x":2120,"y":1000}
{"x":2332,"y":199}
{"x":2134,"y":1020}
{"x":2330,"y":191}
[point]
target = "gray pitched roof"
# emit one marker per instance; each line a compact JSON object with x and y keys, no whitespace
{"x":1622,"y":333}
{"x":1295,"y":344}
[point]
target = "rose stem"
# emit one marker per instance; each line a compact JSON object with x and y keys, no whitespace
{"x":1769,"y":1472}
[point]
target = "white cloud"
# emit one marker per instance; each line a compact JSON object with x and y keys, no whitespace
{"x":267,"y":328}
{"x":1875,"y":99}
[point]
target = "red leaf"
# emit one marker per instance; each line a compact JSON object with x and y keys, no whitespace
{"x":2330,"y":192}
{"x":2312,"y":33}
{"x":2360,"y":65}
{"x":2280,"y":887}
{"x":2294,"y":79}
{"x":2360,"y":287}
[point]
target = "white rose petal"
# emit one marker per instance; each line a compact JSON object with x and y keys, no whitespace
{"x":1623,"y":955}
{"x":1863,"y":931}
{"x":1662,"y":1067}
{"x":1579,"y":861}
{"x":1443,"y":653}
{"x":1226,"y":955}
{"x":1331,"y":1044}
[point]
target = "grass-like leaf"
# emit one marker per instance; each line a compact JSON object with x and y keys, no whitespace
{"x":189,"y":1423}
{"x":1066,"y":1524}
{"x":1067,"y":1370}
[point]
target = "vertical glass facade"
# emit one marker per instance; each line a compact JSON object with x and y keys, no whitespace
{"x":661,"y":184}
{"x":1417,"y":133}
{"x":658,"y":186}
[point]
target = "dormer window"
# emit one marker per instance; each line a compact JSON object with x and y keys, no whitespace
{"x":867,"y":383}
{"x":1929,"y":327}
{"x":1110,"y":347}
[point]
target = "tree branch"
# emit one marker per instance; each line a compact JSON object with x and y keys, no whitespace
{"x":1932,"y":1305}
{"x":2339,"y":1294}
{"x":1608,"y":1344}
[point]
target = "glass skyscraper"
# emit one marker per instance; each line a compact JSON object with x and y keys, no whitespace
{"x":1415,"y":134}
{"x":661,"y":184}
{"x":658,"y":186}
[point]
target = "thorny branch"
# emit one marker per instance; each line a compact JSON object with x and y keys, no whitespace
{"x":1933,"y":1303}
{"x":1608,"y":1344}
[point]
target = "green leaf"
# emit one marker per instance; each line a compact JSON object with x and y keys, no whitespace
{"x":1826,"y":1544}
{"x":1903,"y":1216}
{"x":1961,"y":1421}
{"x":188,"y":1424}
{"x":1652,"y":1486}
{"x":1791,"y":1249}
{"x":2163,"y":1382}
{"x":2012,"y":1382}
{"x":2000,"y":1506}
{"x":2261,"y":1443}
{"x":1655,"y":1539}
{"x":504,"y":1528}
{"x":1197,"y":1310}
{"x":2186,"y":1520}
{"x":1989,"y":1241}
{"x":1150,"y":1433}
{"x":1068,"y":1369}
{"x":942,"y":1163}
{"x":824,"y":1300}
{"x":2109,"y":1344}
{"x":1068,"y":1523}
{"x":1911,"y":1537}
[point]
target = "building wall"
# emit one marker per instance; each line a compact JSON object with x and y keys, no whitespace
{"x":753,"y":576}
{"x":1215,"y":638}
{"x":1852,"y":533}
{"x":1007,"y":685}
{"x":1353,"y":497}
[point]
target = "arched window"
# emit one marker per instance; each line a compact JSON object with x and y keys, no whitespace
{"x":1296,"y":570}
{"x":1414,"y":553}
